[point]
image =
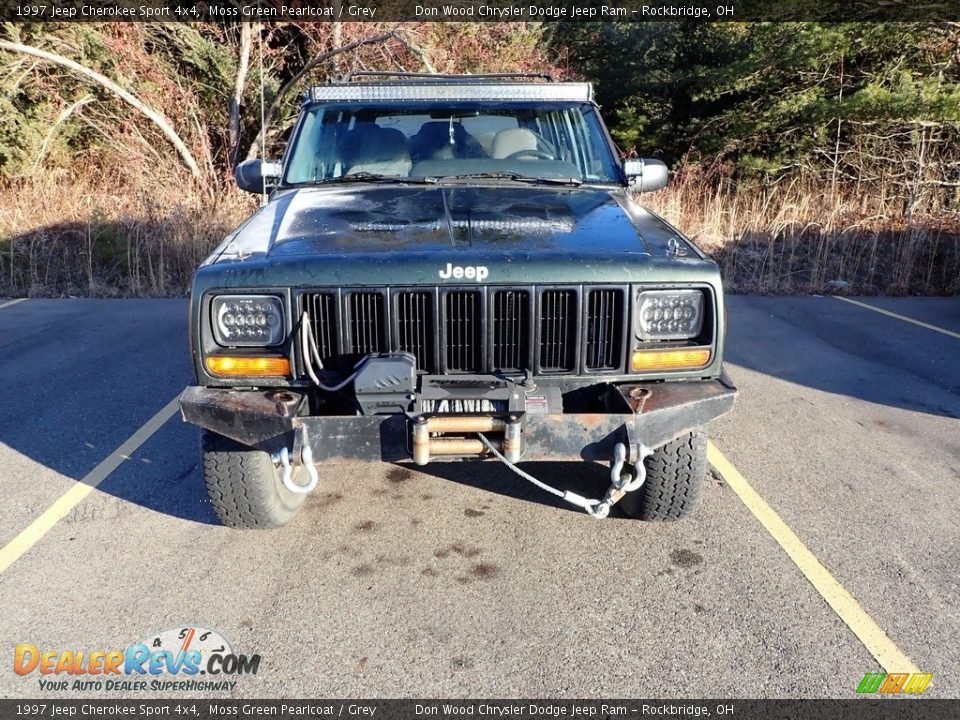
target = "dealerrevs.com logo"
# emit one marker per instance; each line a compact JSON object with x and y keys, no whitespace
{"x":894,"y":683}
{"x":190,"y":658}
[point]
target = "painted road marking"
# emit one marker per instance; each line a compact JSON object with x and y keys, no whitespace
{"x":32,"y":534}
{"x":12,"y":302}
{"x":890,"y":657}
{"x":910,"y":320}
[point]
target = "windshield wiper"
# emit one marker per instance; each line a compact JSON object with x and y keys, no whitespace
{"x":514,"y":176}
{"x":373,"y":178}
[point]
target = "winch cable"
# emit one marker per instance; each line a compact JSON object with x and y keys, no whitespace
{"x":311,"y":353}
{"x":590,"y":505}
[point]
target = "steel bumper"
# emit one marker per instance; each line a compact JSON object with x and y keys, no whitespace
{"x":640,"y":415}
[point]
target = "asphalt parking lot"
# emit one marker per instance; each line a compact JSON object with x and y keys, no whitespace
{"x":461,"y":580}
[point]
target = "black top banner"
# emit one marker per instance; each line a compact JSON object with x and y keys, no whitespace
{"x":199,"y":709}
{"x":478,"y":10}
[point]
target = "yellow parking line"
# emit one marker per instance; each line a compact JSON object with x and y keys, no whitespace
{"x":890,"y":657}
{"x":29,"y":537}
{"x":11,"y":302}
{"x":910,"y":320}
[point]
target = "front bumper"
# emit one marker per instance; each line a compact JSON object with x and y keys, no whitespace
{"x":649,"y":415}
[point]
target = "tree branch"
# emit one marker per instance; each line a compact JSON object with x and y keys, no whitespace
{"x":322,"y":57}
{"x":62,"y":118}
{"x":417,"y":51}
{"x":107,"y":84}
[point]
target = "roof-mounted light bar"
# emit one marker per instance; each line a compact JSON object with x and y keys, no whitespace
{"x":575,"y":92}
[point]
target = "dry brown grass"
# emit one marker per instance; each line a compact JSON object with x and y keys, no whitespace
{"x":799,"y":237}
{"x":104,"y":234}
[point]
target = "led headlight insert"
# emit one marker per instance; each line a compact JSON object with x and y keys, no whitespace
{"x":669,"y":314}
{"x":247,"y":320}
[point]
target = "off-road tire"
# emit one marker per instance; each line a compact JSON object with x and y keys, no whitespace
{"x":675,"y":475}
{"x":244,"y":485}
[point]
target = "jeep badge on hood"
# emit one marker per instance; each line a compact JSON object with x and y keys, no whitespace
{"x":470,"y":272}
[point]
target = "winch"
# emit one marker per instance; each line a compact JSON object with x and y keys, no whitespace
{"x":387,"y":383}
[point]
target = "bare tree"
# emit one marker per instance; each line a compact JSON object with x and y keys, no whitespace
{"x":243,"y":67}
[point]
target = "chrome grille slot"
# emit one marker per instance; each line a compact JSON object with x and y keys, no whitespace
{"x":558,"y":330}
{"x":416,"y":332}
{"x":604,"y":329}
{"x":366,"y":324}
{"x":511,"y":330}
{"x":463,"y":315}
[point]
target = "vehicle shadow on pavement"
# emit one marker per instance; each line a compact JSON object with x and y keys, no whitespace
{"x":591,"y":480}
{"x":824,"y":344}
{"x":87,"y":374}
{"x":164,"y":475}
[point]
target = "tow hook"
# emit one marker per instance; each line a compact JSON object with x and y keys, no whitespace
{"x":300,"y":456}
{"x":621,"y":482}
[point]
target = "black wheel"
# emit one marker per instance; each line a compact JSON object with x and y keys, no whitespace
{"x":244,"y":485}
{"x":675,"y":474}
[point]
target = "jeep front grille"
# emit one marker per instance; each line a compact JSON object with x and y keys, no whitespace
{"x":463,"y":344}
{"x":510,"y":330}
{"x":559,"y":330}
{"x":366,"y":323}
{"x":604,"y":329}
{"x":322,"y":308}
{"x":416,"y":332}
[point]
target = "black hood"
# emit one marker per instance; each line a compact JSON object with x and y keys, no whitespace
{"x":507,"y":219}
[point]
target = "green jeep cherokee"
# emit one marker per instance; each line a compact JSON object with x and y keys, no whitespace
{"x":453,"y":268}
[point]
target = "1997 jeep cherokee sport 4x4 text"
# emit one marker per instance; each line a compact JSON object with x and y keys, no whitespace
{"x":450,"y":268}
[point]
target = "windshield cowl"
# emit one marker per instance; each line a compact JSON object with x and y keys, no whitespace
{"x":365,"y":177}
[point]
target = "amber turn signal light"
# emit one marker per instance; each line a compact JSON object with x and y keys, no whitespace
{"x":688,"y":358}
{"x":244,"y":366}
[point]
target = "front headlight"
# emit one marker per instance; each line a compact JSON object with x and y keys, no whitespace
{"x":669,"y":314}
{"x":247,"y":320}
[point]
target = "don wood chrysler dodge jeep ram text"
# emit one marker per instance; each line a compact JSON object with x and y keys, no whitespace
{"x":453,"y":268}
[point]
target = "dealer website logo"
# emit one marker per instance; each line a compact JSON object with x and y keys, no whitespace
{"x":894,"y":683}
{"x":188,"y":658}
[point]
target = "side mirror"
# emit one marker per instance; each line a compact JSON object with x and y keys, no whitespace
{"x":257,"y":176}
{"x":646,"y":175}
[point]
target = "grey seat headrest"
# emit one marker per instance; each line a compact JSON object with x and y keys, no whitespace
{"x":513,"y":140}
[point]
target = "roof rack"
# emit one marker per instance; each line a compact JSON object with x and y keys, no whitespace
{"x":367,"y":75}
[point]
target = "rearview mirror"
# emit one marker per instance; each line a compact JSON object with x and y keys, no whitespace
{"x":257,"y":176}
{"x":646,"y":175}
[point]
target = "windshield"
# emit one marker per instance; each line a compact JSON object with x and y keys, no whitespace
{"x":442,"y":139}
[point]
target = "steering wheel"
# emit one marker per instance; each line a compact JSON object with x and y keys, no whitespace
{"x":530,"y":154}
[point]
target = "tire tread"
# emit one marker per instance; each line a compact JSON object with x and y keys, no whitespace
{"x":241,"y":485}
{"x":675,"y":476}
